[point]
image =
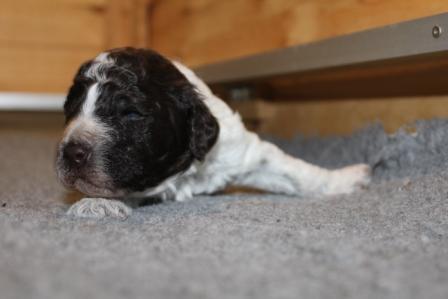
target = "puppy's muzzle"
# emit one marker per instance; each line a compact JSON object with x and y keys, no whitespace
{"x":76,"y":154}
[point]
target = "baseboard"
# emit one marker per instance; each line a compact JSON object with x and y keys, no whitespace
{"x":21,"y":101}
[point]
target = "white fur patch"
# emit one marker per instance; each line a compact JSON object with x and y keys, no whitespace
{"x":89,"y":105}
{"x":86,"y":125}
{"x":95,"y":71}
{"x":103,"y":57}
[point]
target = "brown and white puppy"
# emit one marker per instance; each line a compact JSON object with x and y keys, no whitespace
{"x":139,"y":125}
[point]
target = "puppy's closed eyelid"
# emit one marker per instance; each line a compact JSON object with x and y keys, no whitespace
{"x":136,"y":115}
{"x":132,"y":115}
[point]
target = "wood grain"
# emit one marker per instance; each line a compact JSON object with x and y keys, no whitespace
{"x":43,"y":42}
{"x":40,"y":69}
{"x":128,"y":23}
{"x":204,"y":31}
{"x":52,"y":23}
{"x":335,"y":117}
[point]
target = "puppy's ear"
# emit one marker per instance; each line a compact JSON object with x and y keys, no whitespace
{"x":204,"y":127}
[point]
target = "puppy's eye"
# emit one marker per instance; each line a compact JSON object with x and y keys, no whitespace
{"x":132,"y":115}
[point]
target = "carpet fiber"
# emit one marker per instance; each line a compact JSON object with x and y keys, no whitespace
{"x":389,"y":241}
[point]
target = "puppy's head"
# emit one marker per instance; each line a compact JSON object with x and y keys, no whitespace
{"x":132,"y":121}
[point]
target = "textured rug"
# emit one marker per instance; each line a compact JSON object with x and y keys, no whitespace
{"x":389,"y":241}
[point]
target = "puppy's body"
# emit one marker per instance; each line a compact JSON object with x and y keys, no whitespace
{"x":227,"y":154}
{"x":239,"y":157}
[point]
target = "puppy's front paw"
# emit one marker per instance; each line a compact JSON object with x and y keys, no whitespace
{"x":349,"y":179}
{"x":99,"y":208}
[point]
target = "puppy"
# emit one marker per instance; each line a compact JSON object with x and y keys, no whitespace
{"x":139,"y":125}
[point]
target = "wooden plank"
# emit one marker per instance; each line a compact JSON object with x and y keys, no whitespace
{"x":335,"y":117}
{"x":42,"y":43}
{"x":52,"y":23}
{"x":127,"y":23}
{"x":40,"y":68}
{"x":143,"y":22}
{"x":205,"y":31}
{"x":120,"y":23}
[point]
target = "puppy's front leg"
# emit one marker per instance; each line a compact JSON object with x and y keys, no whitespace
{"x":268,"y":168}
{"x":99,"y":208}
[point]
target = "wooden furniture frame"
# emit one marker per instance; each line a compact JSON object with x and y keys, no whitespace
{"x":406,"y":59}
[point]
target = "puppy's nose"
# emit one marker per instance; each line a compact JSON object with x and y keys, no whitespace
{"x":76,"y":154}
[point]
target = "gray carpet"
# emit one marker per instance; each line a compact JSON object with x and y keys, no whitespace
{"x":390,"y":241}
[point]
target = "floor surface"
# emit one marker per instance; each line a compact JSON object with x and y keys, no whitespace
{"x":389,"y":241}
